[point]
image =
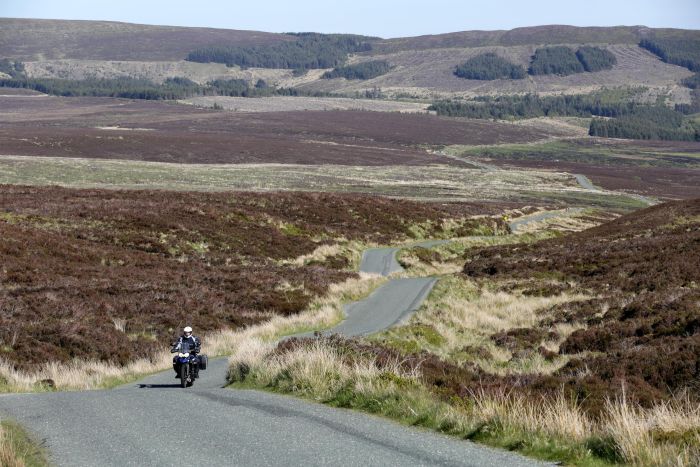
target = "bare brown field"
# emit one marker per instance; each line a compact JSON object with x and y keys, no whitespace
{"x":70,"y":127}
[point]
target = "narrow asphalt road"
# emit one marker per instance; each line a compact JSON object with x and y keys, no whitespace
{"x":154,"y":422}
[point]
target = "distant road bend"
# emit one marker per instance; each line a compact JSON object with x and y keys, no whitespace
{"x":154,"y":422}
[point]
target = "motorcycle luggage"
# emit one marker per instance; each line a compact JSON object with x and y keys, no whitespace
{"x":203,"y":361}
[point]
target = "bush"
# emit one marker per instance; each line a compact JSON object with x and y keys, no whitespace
{"x":489,"y":66}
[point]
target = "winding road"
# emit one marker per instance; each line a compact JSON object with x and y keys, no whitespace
{"x":154,"y":422}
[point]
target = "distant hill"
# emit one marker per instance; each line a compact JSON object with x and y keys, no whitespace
{"x":553,"y":34}
{"x":44,"y":39}
{"x":415,"y":67}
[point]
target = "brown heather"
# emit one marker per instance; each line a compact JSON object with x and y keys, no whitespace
{"x":113,"y":275}
{"x":641,"y":332}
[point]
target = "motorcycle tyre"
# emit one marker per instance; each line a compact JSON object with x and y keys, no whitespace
{"x":184,"y":373}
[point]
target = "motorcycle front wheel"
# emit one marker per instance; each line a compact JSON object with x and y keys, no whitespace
{"x":184,"y":375}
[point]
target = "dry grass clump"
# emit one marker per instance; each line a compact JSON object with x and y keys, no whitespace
{"x":341,"y":373}
{"x":343,"y":254}
{"x":461,"y":319}
{"x":18,"y":449}
{"x":8,"y":456}
{"x":78,"y":374}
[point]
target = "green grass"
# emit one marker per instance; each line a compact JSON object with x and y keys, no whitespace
{"x":436,"y":182}
{"x":25,"y":447}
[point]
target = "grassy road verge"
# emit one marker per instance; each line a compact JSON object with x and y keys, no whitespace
{"x":18,"y":449}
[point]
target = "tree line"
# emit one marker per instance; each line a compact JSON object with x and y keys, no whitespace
{"x":533,"y":105}
{"x":363,"y":70}
{"x":623,"y":119}
{"x":309,"y":50}
{"x":559,"y":60}
{"x":13,"y":69}
{"x":138,"y":88}
{"x":681,"y":52}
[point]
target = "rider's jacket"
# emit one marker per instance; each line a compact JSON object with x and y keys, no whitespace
{"x":195,"y":344}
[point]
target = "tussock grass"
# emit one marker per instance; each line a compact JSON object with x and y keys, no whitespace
{"x":83,"y":375}
{"x":465,"y":315}
{"x":553,"y":428}
{"x":667,"y":434}
{"x":351,"y":250}
{"x":449,"y":257}
{"x":18,"y":449}
{"x":78,"y":374}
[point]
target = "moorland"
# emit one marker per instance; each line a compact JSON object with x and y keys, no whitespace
{"x":152,"y":176}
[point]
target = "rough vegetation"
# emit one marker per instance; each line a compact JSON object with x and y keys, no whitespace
{"x":581,"y":348}
{"x":643,"y":324}
{"x":156,"y":131}
{"x":18,"y":449}
{"x":112,"y":275}
{"x":642,"y":167}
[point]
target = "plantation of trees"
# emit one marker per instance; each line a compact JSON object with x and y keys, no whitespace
{"x":627,"y":119}
{"x":489,"y":66}
{"x":693,"y":82}
{"x":135,"y":88}
{"x":638,"y":127}
{"x":595,"y":58}
{"x":682,"y":52}
{"x":557,"y":60}
{"x":14,"y":69}
{"x":310,"y":50}
{"x":532,"y":105}
{"x":364,"y":70}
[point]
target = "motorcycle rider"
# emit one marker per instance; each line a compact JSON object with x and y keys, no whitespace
{"x":186,"y":341}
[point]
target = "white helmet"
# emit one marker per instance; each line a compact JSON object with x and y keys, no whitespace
{"x":187,"y":329}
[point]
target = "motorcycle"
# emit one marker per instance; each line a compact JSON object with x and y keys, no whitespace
{"x":188,"y":364}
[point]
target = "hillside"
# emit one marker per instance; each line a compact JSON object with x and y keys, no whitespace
{"x":419,"y":67}
{"x":44,"y":39}
{"x":86,"y":270}
{"x":535,"y":35}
